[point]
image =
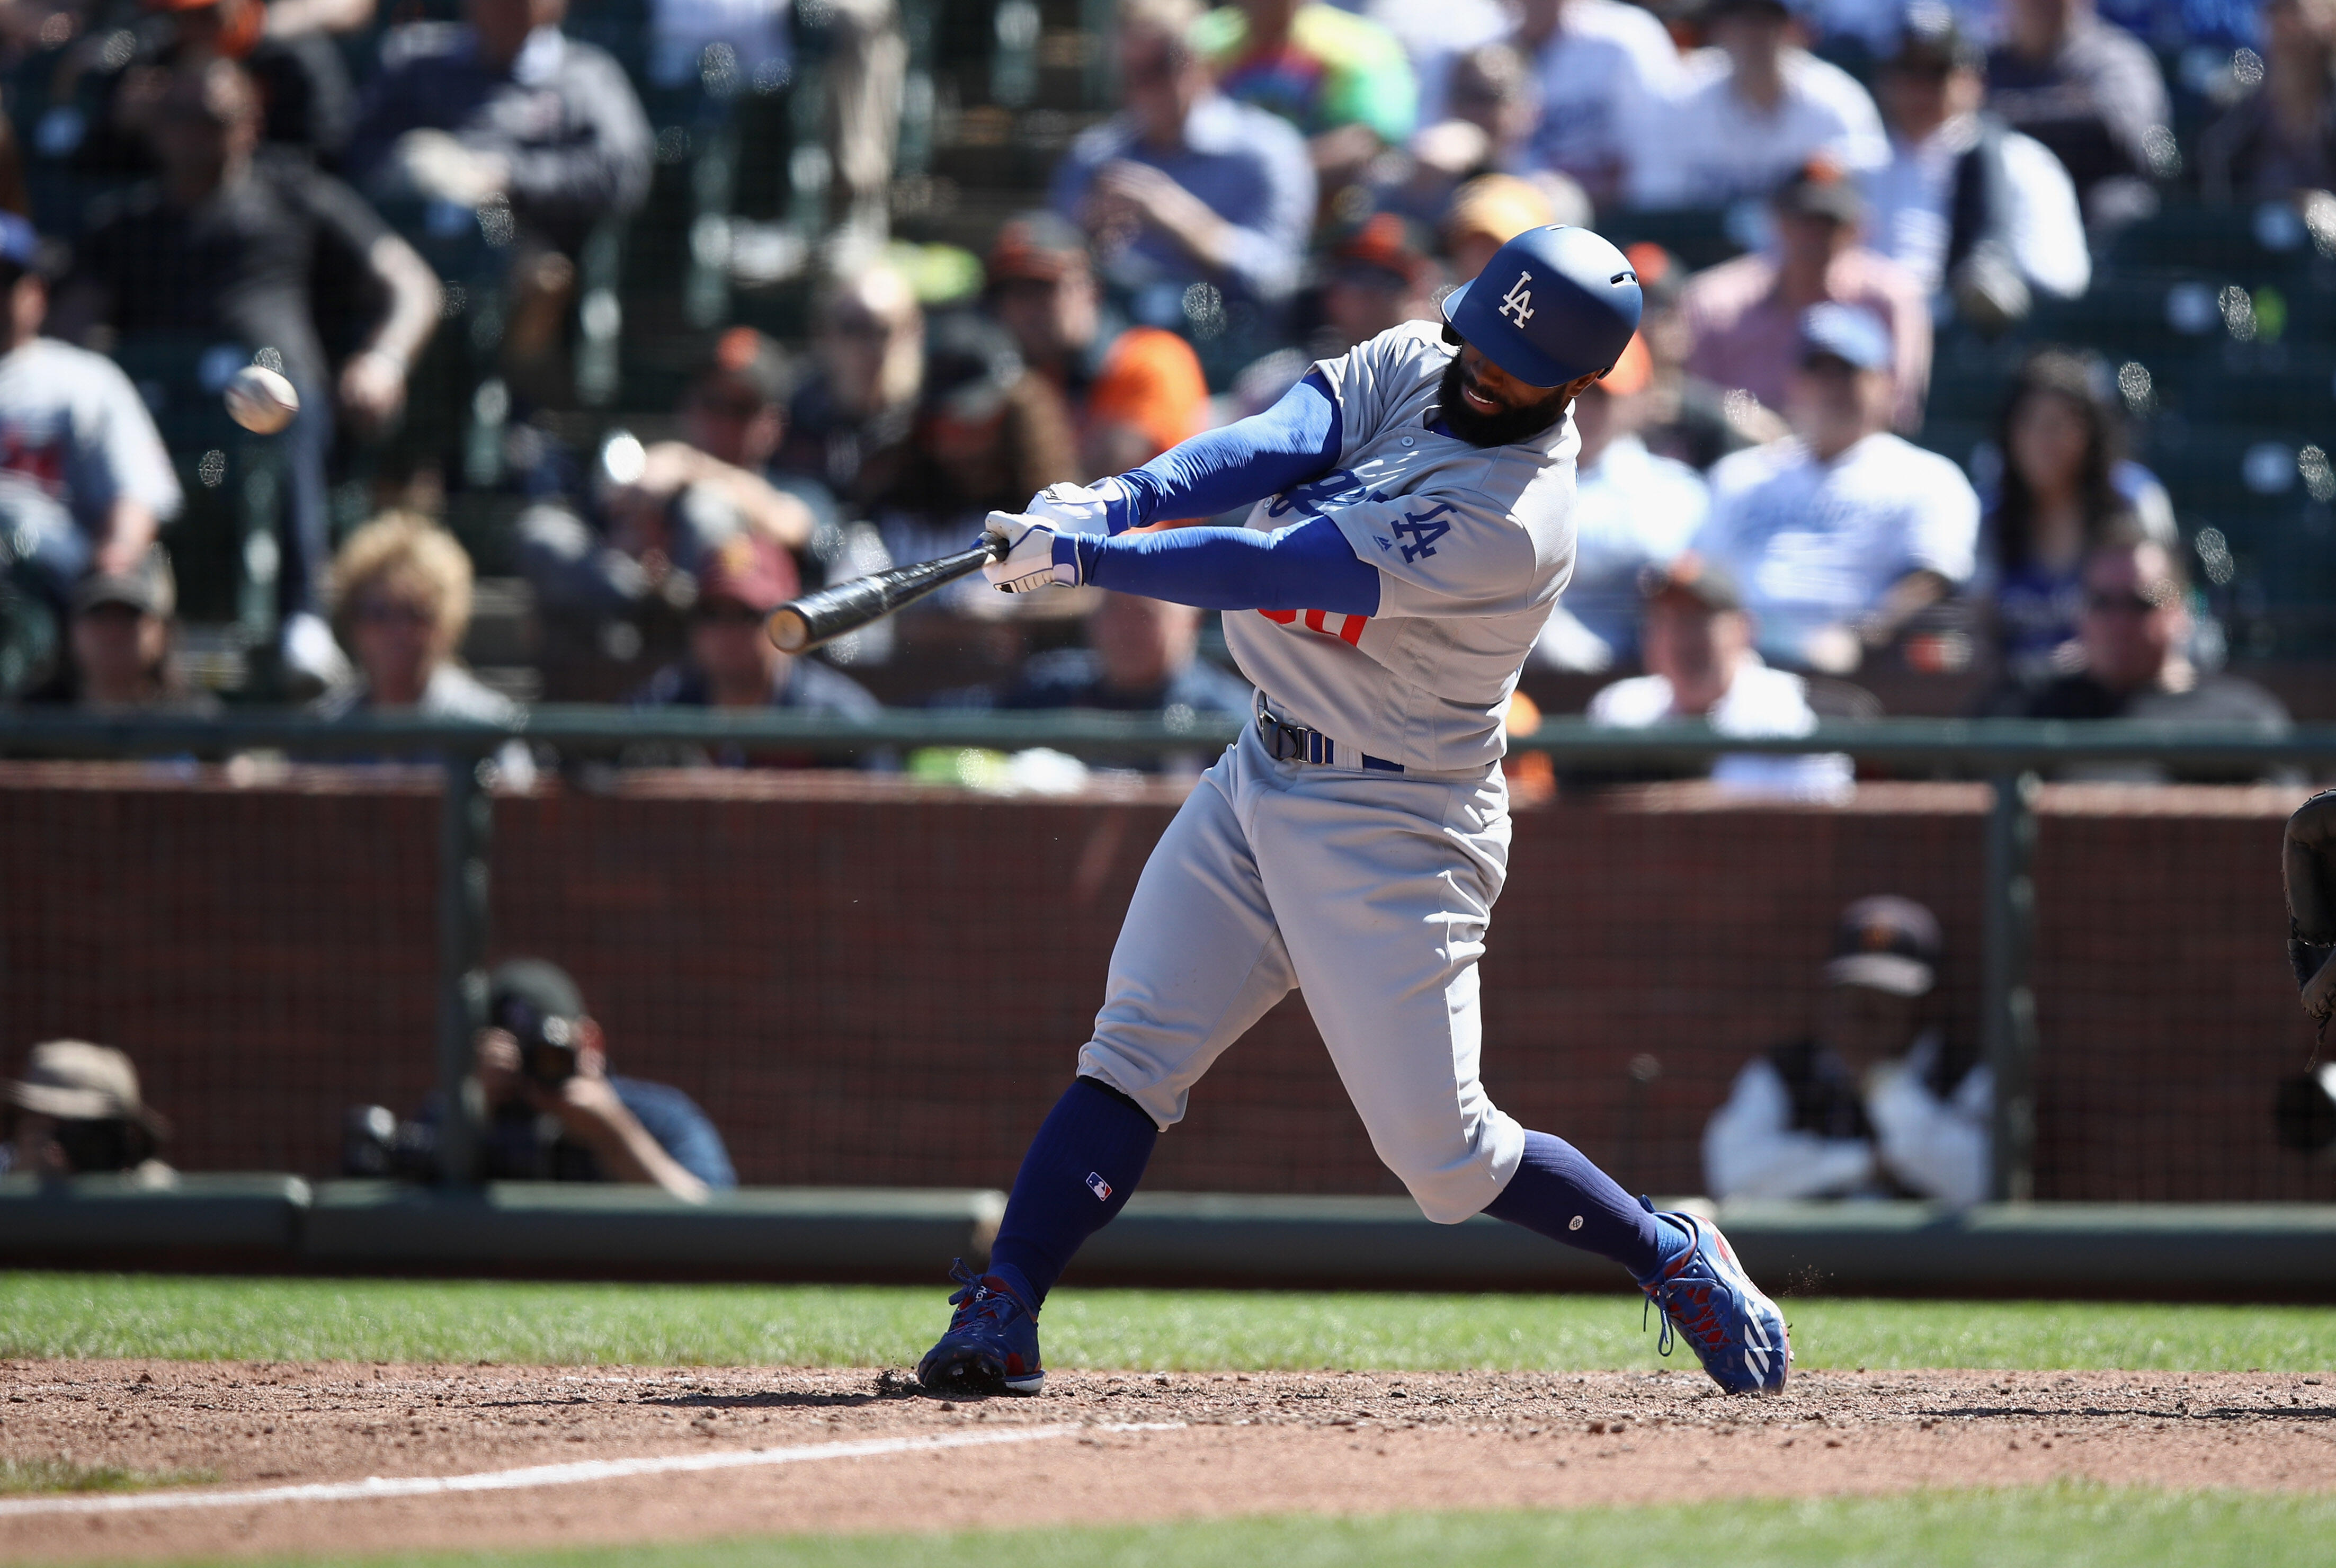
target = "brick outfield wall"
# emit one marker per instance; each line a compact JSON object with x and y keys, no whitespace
{"x":865,"y":988}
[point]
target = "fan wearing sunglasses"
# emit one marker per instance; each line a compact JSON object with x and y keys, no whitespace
{"x":2133,"y":628}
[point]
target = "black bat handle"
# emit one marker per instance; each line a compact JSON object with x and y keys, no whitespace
{"x":804,"y":623}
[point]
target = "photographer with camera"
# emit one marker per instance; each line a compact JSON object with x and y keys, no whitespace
{"x":76,"y":1111}
{"x":550,"y":1109}
{"x":2304,"y":1108}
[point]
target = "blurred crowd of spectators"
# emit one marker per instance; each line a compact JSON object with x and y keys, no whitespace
{"x":1281,"y":179}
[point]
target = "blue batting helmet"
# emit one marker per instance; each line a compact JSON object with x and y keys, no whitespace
{"x":1554,"y":304}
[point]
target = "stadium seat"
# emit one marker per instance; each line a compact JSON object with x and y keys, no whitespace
{"x":1699,"y":237}
{"x":2254,"y":245}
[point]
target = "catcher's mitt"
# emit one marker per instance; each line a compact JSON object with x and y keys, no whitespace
{"x":2310,"y":864}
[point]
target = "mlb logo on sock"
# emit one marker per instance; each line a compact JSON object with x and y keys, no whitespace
{"x":1099,"y":1187}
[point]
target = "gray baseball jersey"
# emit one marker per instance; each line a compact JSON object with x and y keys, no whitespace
{"x":1473,"y":544}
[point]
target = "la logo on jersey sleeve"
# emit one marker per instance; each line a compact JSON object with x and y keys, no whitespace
{"x":1422,"y":529}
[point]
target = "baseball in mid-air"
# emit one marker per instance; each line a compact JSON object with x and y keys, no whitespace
{"x":260,"y":400}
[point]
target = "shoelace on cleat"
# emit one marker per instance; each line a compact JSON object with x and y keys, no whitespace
{"x":1665,"y":1339}
{"x":1715,"y":1341}
{"x":976,"y":1301}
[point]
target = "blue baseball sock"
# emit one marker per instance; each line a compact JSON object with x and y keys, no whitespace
{"x":1560,"y":1193}
{"x":1087,"y":1159}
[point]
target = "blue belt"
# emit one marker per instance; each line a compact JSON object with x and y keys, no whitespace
{"x":1292,"y":741}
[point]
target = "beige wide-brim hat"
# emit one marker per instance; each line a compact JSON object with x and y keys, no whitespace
{"x":75,"y":1081}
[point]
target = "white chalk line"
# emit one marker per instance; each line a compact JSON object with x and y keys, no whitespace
{"x":571,"y":1475}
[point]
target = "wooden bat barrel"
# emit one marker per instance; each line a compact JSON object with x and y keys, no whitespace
{"x":804,"y":623}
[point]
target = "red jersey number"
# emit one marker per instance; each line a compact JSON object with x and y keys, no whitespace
{"x":1349,"y":630}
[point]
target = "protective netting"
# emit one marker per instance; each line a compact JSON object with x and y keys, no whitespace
{"x":867,"y":984}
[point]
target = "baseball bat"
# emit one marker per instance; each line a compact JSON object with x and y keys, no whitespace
{"x":806,"y":622}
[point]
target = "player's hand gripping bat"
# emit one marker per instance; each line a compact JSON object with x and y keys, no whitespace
{"x":806,"y":622}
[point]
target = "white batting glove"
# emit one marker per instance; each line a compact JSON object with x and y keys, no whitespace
{"x":1103,"y":507}
{"x":1031,"y":559}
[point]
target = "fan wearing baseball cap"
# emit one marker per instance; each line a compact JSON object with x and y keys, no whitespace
{"x":1488,"y":212}
{"x":119,"y":646}
{"x":1743,"y":317}
{"x":1134,"y":391}
{"x":1380,"y":276}
{"x":1696,"y":647}
{"x":1840,"y":536}
{"x":1875,"y":1101}
{"x":732,"y":664}
{"x":84,"y":480}
{"x":620,"y":554}
{"x":1971,"y":207}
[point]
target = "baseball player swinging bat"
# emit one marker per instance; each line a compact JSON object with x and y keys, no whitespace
{"x":1410,"y":528}
{"x":817,"y":618}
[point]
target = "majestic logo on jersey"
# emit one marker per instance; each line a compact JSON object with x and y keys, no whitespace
{"x":1350,"y":627}
{"x":1517,"y":303}
{"x":1423,"y":530}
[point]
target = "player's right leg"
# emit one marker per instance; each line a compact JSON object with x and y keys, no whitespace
{"x":1388,"y":887}
{"x":1199,"y":960}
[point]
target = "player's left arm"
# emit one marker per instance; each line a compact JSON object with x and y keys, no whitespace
{"x":1235,"y":465}
{"x":1307,"y":566}
{"x":1437,"y":553}
{"x":1450,"y":550}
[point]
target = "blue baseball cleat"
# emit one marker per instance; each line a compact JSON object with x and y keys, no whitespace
{"x":1709,"y":1300}
{"x":992,"y":1343}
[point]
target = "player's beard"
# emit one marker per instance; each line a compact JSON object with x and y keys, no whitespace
{"x":1500,"y":429}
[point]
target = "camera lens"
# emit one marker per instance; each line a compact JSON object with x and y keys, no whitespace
{"x":548,"y":1064}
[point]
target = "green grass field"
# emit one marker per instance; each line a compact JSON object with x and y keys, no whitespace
{"x":19,"y":1476}
{"x":213,"y":1319}
{"x":2048,"y":1527}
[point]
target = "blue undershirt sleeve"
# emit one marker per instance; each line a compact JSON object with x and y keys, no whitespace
{"x":1305,"y":566}
{"x":1295,"y":440}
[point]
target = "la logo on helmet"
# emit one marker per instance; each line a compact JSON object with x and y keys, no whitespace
{"x":1517,"y":303}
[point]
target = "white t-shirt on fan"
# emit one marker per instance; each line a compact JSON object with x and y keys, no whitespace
{"x":1708,"y":147}
{"x":1816,"y":544}
{"x":1759,"y":701}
